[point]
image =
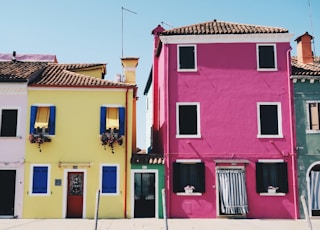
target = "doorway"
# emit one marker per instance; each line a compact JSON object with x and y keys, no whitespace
{"x":7,"y":192}
{"x":144,"y":195}
{"x":314,"y":185}
{"x":75,"y":194}
{"x":231,"y":193}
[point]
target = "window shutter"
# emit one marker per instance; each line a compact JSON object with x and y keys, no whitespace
{"x":201,"y":171}
{"x":40,"y":179}
{"x":283,"y":177}
{"x":52,"y":120}
{"x":259,"y":178}
{"x":33,"y":115}
{"x":109,"y":179}
{"x":121,"y":120}
{"x":176,"y":178}
{"x":103,"y":115}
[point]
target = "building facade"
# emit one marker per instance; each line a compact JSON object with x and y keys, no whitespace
{"x":223,"y":118}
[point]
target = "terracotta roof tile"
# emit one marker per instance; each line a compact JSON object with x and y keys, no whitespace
{"x":20,"y":70}
{"x":305,"y":71}
{"x":151,"y":158}
{"x":62,"y":75}
{"x":221,"y":27}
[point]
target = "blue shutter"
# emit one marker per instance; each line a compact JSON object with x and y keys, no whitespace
{"x":121,"y":121}
{"x":103,"y":115}
{"x":40,"y":179}
{"x":109,"y":179}
{"x":52,"y":120}
{"x":33,"y":115}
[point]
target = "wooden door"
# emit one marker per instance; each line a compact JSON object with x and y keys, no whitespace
{"x":7,"y":192}
{"x":144,"y":195}
{"x":75,"y":195}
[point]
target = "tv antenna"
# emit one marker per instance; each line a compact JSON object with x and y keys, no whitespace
{"x":311,"y":24}
{"x":130,"y":11}
{"x":163,"y":23}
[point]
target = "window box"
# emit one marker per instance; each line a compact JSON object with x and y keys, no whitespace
{"x":110,"y":138}
{"x":38,"y":139}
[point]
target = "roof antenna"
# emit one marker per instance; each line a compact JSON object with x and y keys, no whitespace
{"x":163,"y":23}
{"x":314,"y":47}
{"x":130,"y":11}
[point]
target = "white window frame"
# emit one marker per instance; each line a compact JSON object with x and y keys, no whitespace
{"x":308,"y":130}
{"x":31,"y":180}
{"x":117,"y":177}
{"x":275,"y":58}
{"x":18,"y":120}
{"x":195,"y":58}
{"x":280,"y":134}
{"x":178,"y":135}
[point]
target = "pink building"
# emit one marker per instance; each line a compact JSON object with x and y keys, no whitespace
{"x":223,"y":118}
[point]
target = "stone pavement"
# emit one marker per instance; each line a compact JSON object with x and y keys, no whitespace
{"x":157,"y":224}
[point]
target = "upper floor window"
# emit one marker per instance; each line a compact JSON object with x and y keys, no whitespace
{"x":269,"y":120}
{"x":266,"y":57}
{"x":271,"y":176}
{"x":112,"y":119}
{"x":110,"y":179}
{"x":188,"y":119}
{"x":187,"y":60}
{"x":313,"y":116}
{"x":39,"y":180}
{"x":8,"y":125}
{"x":42,"y":120}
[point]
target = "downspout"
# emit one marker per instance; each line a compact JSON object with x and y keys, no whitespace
{"x":292,"y":154}
{"x":126,"y":159}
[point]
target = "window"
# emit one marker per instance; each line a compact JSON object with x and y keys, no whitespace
{"x":40,"y":180}
{"x":8,"y":125}
{"x":269,"y":120}
{"x":190,"y":173}
{"x":313,"y":116}
{"x":42,"y":120}
{"x":271,"y":174}
{"x":109,"y":179}
{"x":188,"y":123}
{"x":187,"y":58}
{"x":266,"y":57}
{"x":112,"y":118}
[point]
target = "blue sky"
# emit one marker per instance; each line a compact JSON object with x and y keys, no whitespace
{"x":83,"y":31}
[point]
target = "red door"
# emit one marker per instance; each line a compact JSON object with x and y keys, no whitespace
{"x":75,"y":195}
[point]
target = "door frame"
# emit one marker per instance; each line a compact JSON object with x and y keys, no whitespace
{"x":65,"y":191}
{"x":156,"y":198}
{"x":309,"y":188}
{"x":217,"y":190}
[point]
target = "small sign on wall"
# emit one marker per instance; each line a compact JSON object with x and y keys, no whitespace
{"x":57,"y":182}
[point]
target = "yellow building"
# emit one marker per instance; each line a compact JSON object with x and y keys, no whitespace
{"x":81,"y":136}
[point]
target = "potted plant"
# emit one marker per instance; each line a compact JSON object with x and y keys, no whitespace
{"x":272,"y":189}
{"x":110,"y":137}
{"x":189,"y":189}
{"x":38,"y":139}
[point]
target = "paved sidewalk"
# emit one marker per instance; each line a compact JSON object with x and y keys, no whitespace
{"x":156,"y":224}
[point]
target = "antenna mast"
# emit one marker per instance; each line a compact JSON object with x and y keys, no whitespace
{"x":130,"y":11}
{"x":310,"y":14}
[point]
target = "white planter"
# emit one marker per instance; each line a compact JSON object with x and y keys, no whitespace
{"x":188,"y":191}
{"x":272,"y":190}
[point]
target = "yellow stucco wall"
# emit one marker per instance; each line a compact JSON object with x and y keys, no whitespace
{"x":93,"y":71}
{"x":77,"y":140}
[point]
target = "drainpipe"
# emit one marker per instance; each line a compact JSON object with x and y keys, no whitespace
{"x":293,"y":155}
{"x":126,"y":159}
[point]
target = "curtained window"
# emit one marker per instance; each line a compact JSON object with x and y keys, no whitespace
{"x":42,"y":120}
{"x":112,"y":118}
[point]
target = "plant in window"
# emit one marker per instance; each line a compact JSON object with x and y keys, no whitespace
{"x":38,"y":139}
{"x":272,"y":189}
{"x":110,"y":137}
{"x":189,"y":189}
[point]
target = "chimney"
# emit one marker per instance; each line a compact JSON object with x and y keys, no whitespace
{"x":129,"y":65}
{"x":304,"y":50}
{"x":14,"y":56}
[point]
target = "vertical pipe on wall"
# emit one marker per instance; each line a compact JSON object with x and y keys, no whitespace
{"x":126,"y":158}
{"x":292,"y":136}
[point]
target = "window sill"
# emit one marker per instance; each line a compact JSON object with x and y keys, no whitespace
{"x":17,"y":137}
{"x":267,"y":69}
{"x":269,"y":136}
{"x":309,"y":131}
{"x":189,"y":194}
{"x":272,"y":194}
{"x":187,"y":70}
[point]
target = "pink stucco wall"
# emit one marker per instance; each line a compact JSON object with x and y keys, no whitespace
{"x":228,"y":86}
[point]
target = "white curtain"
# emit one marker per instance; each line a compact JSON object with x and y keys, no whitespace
{"x":315,"y":190}
{"x":232,"y":190}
